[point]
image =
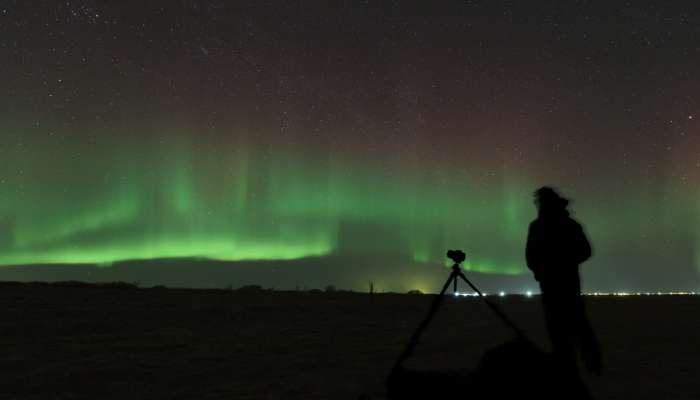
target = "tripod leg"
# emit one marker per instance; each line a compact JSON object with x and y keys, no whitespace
{"x":431,"y":313}
{"x":495,"y":308}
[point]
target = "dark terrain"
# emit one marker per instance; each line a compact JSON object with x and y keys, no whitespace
{"x":89,"y":342}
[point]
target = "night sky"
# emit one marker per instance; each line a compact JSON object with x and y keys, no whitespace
{"x":281,"y":130}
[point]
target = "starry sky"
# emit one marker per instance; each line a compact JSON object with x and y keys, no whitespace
{"x":286,"y":130}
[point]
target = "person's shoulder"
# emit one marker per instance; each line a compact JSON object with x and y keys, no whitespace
{"x":572,"y":221}
{"x":536,"y":226}
{"x":573,"y":224}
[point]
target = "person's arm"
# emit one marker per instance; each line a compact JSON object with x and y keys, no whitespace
{"x":583,"y":246}
{"x":531,"y":251}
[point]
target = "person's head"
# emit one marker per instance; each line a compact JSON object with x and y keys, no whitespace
{"x":548,"y":201}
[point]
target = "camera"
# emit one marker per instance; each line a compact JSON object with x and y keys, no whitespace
{"x":456,"y":255}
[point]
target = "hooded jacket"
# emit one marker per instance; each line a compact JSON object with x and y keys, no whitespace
{"x":556,"y":245}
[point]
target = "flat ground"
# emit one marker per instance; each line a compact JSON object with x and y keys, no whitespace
{"x":97,"y":343}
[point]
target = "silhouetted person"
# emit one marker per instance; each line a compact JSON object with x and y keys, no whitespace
{"x":556,"y":245}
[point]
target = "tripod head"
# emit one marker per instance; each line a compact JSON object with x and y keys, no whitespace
{"x":457,"y":256}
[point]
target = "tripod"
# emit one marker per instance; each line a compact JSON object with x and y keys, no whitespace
{"x":452,"y":279}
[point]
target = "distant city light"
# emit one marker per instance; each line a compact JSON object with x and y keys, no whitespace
{"x":624,"y":294}
{"x":463,"y":294}
{"x":529,"y":293}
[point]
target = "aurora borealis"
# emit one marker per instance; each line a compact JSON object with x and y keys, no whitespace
{"x":278,"y":131}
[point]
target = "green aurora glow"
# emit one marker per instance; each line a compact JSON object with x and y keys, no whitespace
{"x":229,"y":210}
{"x":351,"y":130}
